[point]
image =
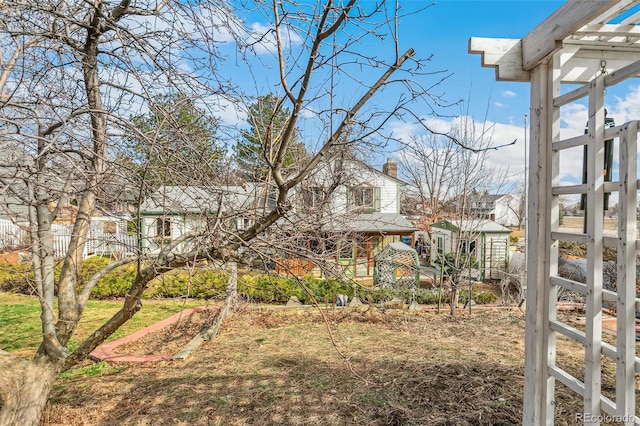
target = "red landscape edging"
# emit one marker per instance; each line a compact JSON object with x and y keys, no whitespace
{"x":105,"y":352}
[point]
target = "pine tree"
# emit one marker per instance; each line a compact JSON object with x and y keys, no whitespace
{"x":176,"y":143}
{"x":259,"y":146}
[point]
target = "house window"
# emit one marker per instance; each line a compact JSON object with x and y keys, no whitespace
{"x":361,"y":248}
{"x":365,"y":198}
{"x":468,"y":247}
{"x":440,"y":245}
{"x":345,"y":250}
{"x":109,"y":227}
{"x":243,"y":223}
{"x":313,"y":197}
{"x":316,"y":246}
{"x":163,"y":227}
{"x":376,"y":244}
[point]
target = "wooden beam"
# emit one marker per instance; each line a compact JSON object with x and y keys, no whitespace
{"x":595,"y":246}
{"x":503,"y":54}
{"x":626,"y":275}
{"x":569,"y":18}
{"x":537,"y":383}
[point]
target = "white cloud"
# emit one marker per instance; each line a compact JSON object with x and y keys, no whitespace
{"x":500,"y":105}
{"x":508,"y":94}
{"x":626,"y":108}
{"x":308,"y":113}
{"x":263,"y":38}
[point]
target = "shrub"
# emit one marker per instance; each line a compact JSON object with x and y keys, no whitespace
{"x":481,"y":298}
{"x":208,"y":284}
{"x":16,"y":279}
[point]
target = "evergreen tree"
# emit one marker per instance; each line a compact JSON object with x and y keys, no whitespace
{"x":260,"y":144}
{"x":176,"y":143}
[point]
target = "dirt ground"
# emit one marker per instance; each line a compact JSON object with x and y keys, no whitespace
{"x":282,"y":367}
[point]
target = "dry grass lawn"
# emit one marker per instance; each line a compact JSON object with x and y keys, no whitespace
{"x":279,"y":367}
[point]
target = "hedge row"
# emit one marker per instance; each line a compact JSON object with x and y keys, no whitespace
{"x":208,"y":284}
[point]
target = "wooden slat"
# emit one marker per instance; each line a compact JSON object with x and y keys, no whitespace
{"x":569,"y":189}
{"x":569,"y":236}
{"x":622,"y":74}
{"x":576,"y":286}
{"x":567,"y":331}
{"x":610,"y":351}
{"x":570,"y":17}
{"x":609,"y":407}
{"x":570,"y":143}
{"x":626,"y":275}
{"x":505,"y":55}
{"x":552,"y":223}
{"x":571,"y":96}
{"x":613,"y":242}
{"x":620,"y":7}
{"x":621,"y":30}
{"x":566,"y":379}
{"x":631,"y":20}
{"x":594,"y":219}
{"x":535,"y":377}
{"x":611,"y":79}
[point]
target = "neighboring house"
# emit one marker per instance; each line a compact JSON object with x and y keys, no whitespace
{"x":356,"y":209}
{"x":500,"y":208}
{"x":172,"y":211}
{"x":346,"y":210}
{"x":486,"y":240}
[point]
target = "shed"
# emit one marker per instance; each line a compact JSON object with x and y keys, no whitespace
{"x":485,"y":239}
{"x":396,"y":265}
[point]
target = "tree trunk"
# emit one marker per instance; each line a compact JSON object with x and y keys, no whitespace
{"x":453,"y":303}
{"x":24,"y":389}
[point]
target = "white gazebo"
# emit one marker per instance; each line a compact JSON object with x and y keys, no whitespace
{"x":577,"y":53}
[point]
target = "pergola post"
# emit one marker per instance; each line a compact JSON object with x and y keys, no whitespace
{"x":539,"y":338}
{"x":594,"y":45}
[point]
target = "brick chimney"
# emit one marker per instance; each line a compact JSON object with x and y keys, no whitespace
{"x":390,"y":168}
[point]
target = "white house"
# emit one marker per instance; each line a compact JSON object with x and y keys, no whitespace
{"x":346,"y":209}
{"x":500,"y":208}
{"x":484,"y":239}
{"x":357,"y":209}
{"x":172,"y":211}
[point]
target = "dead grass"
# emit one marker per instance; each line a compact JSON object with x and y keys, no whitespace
{"x":278,"y":367}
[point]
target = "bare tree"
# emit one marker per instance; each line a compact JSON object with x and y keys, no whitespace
{"x":74,"y":72}
{"x":446,"y":172}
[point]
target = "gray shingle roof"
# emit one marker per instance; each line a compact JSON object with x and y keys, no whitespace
{"x":198,"y":200}
{"x":373,"y":222}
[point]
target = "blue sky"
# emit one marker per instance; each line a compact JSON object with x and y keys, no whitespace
{"x":446,"y":28}
{"x":443,"y":30}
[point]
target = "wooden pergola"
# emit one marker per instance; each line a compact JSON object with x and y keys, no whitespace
{"x":575,"y":54}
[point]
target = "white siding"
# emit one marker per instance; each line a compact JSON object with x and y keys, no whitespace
{"x":504,"y":211}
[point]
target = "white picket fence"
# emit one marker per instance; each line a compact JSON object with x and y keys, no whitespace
{"x":117,"y":244}
{"x":12,"y":235}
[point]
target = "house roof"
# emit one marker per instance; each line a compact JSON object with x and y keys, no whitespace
{"x":372,"y":222}
{"x":199,"y":200}
{"x":381,"y":173}
{"x":486,"y":197}
{"x":471,"y":225}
